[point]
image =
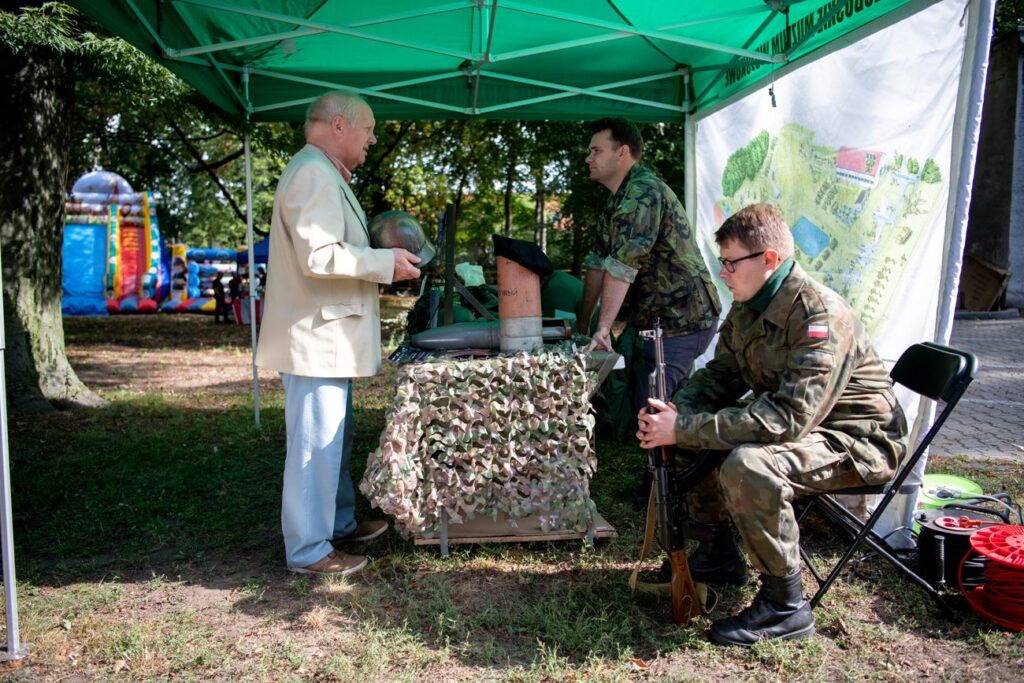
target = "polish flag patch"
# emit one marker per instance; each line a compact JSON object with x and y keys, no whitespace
{"x":817,"y":331}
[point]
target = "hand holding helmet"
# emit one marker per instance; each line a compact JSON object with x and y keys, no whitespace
{"x":402,"y":233}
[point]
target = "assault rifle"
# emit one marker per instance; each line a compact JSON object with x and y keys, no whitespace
{"x":669,"y":501}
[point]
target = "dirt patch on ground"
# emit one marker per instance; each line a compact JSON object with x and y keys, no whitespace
{"x":106,"y":369}
{"x":167,"y":354}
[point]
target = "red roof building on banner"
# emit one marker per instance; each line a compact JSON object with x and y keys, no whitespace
{"x":860,"y":166}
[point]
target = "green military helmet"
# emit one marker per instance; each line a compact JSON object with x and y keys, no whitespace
{"x":392,"y":229}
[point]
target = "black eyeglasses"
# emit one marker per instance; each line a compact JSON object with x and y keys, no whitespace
{"x":730,"y":264}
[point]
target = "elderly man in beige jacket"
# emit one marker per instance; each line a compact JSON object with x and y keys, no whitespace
{"x":321,"y":328}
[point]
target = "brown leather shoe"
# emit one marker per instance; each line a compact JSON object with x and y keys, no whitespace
{"x":364,"y":532}
{"x":335,"y":562}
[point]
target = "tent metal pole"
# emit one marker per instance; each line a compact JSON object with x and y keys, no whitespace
{"x":252,"y":278}
{"x":15,"y":649}
{"x":966,"y":131}
{"x":689,"y":158}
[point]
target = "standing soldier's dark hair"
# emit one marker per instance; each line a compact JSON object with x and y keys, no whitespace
{"x":623,"y":132}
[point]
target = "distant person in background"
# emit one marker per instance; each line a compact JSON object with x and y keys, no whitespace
{"x":221,"y":308}
{"x":235,"y":287}
{"x":235,"y":291}
{"x":261,"y":281}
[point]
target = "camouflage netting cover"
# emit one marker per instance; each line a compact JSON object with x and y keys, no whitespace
{"x":511,"y":434}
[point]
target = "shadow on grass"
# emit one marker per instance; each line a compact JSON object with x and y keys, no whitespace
{"x":494,"y":616}
{"x":142,"y":481}
{"x":155,"y":486}
{"x":184,"y":331}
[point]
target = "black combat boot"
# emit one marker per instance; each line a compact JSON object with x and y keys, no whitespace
{"x":778,"y":611}
{"x":719,"y":559}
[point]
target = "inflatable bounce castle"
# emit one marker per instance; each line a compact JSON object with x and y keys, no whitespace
{"x":192,"y":274}
{"x":115,"y":260}
{"x":112,"y":249}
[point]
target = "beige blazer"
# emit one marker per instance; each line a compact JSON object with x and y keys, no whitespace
{"x":321,"y":314}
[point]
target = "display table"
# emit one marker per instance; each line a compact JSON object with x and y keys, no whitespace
{"x":492,"y":449}
{"x":240,"y":306}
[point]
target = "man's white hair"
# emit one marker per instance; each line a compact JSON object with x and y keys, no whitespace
{"x":341,"y":103}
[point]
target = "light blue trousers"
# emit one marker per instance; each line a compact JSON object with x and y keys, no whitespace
{"x":318,"y":499}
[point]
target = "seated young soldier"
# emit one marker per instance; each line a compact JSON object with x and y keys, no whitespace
{"x":822,"y":415}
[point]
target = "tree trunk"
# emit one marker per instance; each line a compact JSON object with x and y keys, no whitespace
{"x":33,"y":164}
{"x":509,"y":186}
{"x":541,"y":232}
{"x":577,"y":247}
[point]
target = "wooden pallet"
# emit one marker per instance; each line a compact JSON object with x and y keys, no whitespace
{"x":527,"y":530}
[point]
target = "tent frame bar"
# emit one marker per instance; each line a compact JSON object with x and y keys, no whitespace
{"x":303,"y":32}
{"x":735,"y":61}
{"x":568,"y":90}
{"x":886,"y":20}
{"x":594,"y":40}
{"x":328,"y":28}
{"x":166,"y":49}
{"x":589,"y":91}
{"x":372,"y":90}
{"x":246,"y":42}
{"x":312,"y":28}
{"x":252,"y":260}
{"x":376,"y":90}
{"x":637,"y":31}
{"x":215,"y":64}
{"x":486,"y":17}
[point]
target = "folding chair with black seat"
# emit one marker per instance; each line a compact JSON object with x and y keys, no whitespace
{"x":940,"y":373}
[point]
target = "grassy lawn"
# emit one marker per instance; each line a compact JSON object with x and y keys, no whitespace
{"x":148,"y":547}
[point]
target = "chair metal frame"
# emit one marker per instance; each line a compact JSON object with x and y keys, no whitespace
{"x":930,"y":370}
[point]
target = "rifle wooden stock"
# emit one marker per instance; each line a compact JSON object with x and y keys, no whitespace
{"x":686,"y":603}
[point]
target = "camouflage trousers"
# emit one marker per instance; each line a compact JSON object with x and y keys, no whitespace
{"x":755,"y":485}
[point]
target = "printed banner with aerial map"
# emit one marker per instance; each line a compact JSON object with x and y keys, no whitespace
{"x":855,"y":151}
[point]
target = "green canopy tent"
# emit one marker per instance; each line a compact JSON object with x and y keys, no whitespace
{"x":648,"y":60}
{"x":552,"y":59}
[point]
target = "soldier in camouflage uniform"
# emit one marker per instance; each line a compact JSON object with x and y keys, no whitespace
{"x":822,"y":416}
{"x":647,"y":264}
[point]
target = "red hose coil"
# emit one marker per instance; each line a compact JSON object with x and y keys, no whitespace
{"x":1000,"y":598}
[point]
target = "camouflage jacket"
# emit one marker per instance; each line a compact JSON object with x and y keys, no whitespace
{"x":811,"y":367}
{"x":649,"y":243}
